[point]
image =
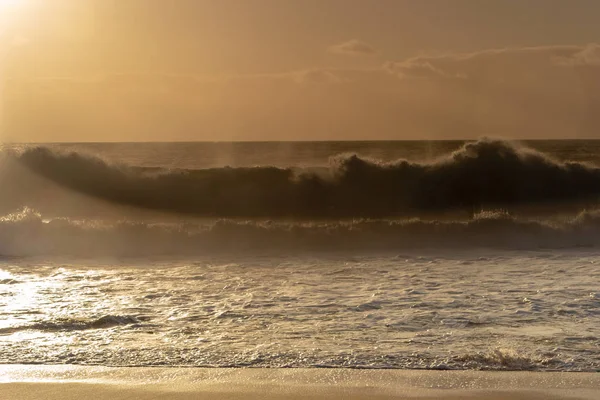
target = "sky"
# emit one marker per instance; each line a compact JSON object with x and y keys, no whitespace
{"x":150,"y":70}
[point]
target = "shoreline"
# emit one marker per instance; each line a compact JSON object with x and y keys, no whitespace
{"x":76,"y":382}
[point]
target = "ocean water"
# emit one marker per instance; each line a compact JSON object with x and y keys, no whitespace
{"x":438,"y":255}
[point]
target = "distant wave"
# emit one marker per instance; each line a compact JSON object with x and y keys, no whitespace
{"x":27,"y":233}
{"x":484,"y":174}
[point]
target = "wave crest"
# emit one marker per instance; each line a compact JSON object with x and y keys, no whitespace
{"x":32,"y":235}
{"x":487,"y":173}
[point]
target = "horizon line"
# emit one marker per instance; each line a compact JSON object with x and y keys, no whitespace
{"x":299,"y":141}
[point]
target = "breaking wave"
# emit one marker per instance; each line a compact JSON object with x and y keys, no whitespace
{"x":508,"y":360}
{"x":28,"y":233}
{"x":484,"y":174}
{"x":72,"y":203}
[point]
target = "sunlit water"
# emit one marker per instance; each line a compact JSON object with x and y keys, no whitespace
{"x":491,"y":293}
{"x":533,"y":311}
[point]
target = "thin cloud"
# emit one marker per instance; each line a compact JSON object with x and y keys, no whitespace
{"x":418,"y":68}
{"x":497,"y":63}
{"x":353,"y":47}
{"x":535,"y":92}
{"x":587,"y":56}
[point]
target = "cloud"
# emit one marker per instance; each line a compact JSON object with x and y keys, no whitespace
{"x":418,"y":68}
{"x":497,"y":63}
{"x":533,"y":92}
{"x":587,"y":56}
{"x":353,"y":47}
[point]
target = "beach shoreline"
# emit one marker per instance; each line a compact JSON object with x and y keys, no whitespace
{"x":77,"y":382}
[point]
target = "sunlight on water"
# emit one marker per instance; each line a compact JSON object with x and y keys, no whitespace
{"x":88,"y":280}
{"x":22,"y":298}
{"x":404,"y":311}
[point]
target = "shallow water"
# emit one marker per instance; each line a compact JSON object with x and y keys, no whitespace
{"x":508,"y":310}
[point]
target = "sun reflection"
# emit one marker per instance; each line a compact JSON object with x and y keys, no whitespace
{"x":20,"y":299}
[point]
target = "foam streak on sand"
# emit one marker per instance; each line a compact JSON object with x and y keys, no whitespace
{"x":70,"y":382}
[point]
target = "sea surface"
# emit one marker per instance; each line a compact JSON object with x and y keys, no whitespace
{"x":412,"y":255}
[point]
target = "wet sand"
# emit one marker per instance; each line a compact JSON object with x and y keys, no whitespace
{"x":99,"y":383}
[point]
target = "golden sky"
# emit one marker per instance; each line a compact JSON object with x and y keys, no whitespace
{"x":111,"y":70}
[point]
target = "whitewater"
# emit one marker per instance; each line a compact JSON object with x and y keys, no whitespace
{"x":411,"y":255}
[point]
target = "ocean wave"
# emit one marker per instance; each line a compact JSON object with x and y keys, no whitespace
{"x":487,"y":173}
{"x":71,"y":324}
{"x":28,"y":233}
{"x":508,"y":360}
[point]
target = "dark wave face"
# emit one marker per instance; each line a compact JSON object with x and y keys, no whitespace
{"x":483,"y":174}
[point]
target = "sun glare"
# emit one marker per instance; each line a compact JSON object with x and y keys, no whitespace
{"x":8,"y":8}
{"x":10,"y":3}
{"x":11,"y":12}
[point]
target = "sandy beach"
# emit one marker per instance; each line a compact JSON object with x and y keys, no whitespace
{"x":74,"y":382}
